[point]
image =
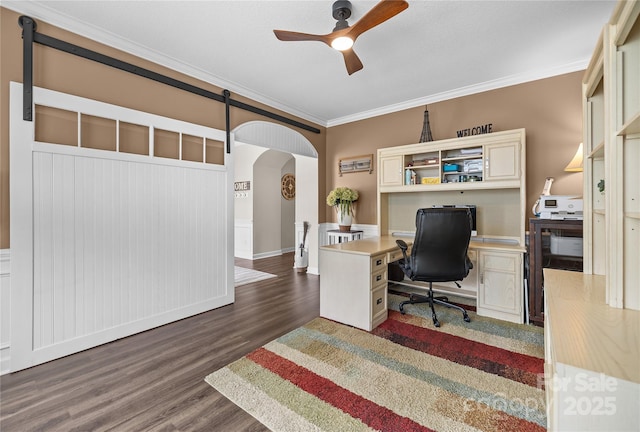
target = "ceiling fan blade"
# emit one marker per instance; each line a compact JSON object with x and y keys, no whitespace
{"x":380,"y":13}
{"x":287,"y":36}
{"x":352,"y":61}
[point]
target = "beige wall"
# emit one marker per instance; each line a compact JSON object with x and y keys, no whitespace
{"x":70,"y":74}
{"x":270,"y":210}
{"x":550,"y":110}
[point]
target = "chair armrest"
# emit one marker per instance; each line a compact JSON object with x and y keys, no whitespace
{"x":403,"y":247}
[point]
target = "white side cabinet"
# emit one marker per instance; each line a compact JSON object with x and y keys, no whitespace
{"x":500,"y":285}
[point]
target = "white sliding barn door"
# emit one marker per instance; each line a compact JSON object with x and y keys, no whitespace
{"x":105,"y":244}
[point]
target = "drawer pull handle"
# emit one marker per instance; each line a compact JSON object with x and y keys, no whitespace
{"x":378,"y":278}
{"x":379,"y":301}
{"x":379,"y":262}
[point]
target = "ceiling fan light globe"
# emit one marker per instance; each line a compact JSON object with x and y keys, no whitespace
{"x":342,"y":43}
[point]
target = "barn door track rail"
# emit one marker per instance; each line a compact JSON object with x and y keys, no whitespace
{"x":30,"y":35}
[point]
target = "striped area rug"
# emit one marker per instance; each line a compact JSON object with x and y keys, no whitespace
{"x":406,"y":375}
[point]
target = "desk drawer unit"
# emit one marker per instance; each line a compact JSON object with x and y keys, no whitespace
{"x":353,"y":288}
{"x":379,"y":277}
{"x":379,"y":312}
{"x":378,"y":263}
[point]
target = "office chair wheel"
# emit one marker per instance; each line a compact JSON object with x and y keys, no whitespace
{"x":466,"y":317}
{"x":436,"y":322}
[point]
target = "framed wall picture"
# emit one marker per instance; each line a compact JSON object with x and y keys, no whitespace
{"x":356,"y":164}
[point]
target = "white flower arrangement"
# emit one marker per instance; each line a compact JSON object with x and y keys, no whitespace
{"x":342,"y":198}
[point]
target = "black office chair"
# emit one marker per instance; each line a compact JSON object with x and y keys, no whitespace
{"x":438,"y":254}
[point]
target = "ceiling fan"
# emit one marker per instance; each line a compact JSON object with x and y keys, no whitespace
{"x":343,"y":36}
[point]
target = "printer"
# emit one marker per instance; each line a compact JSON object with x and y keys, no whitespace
{"x":560,"y":207}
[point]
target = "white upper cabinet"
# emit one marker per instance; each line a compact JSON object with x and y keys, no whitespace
{"x":501,"y":161}
{"x":390,"y":170}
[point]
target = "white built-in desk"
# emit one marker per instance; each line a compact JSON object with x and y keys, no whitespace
{"x":353,"y":280}
{"x":592,"y":356}
{"x":498,"y":161}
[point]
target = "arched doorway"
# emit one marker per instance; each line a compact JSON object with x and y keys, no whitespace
{"x":263,"y":136}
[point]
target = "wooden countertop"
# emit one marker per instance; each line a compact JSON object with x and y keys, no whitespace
{"x":368,"y":246}
{"x":586,"y":332}
{"x":375,"y":245}
{"x":495,"y":245}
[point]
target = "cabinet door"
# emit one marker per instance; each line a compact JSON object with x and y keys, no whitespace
{"x":500,"y":287}
{"x":502,"y":161}
{"x":391,"y":170}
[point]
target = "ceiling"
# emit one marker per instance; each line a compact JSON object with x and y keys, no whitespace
{"x":432,"y":51}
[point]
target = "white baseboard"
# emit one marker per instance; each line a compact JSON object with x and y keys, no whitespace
{"x":268,"y":254}
{"x":5,"y":311}
{"x":271,"y":253}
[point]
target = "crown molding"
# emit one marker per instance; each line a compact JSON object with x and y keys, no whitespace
{"x":39,"y":11}
{"x":463,"y":91}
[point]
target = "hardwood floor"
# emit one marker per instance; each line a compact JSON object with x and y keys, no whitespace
{"x":155,"y":380}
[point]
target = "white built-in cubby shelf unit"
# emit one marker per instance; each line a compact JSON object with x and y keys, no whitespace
{"x":611,"y":97}
{"x":592,"y":320}
{"x":487,"y":171}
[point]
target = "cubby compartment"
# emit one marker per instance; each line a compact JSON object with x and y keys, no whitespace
{"x":462,"y":165}
{"x":422,"y":168}
{"x":628,"y":65}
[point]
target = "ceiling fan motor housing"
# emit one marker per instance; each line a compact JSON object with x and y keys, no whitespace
{"x":341,"y":10}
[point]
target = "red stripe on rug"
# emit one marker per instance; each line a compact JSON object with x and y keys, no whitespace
{"x":518,"y":367}
{"x":370,"y":413}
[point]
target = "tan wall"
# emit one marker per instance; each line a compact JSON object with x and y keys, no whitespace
{"x":70,"y":74}
{"x":550,"y":110}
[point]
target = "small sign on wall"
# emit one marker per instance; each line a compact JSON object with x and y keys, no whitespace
{"x":242,"y":189}
{"x":242,"y":186}
{"x":476,"y":130}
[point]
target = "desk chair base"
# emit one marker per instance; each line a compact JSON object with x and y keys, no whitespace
{"x":418,"y":298}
